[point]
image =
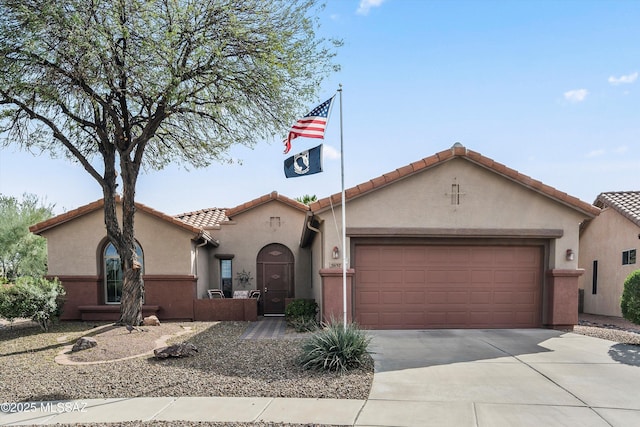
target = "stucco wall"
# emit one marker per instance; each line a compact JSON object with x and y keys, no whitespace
{"x":254,"y":229}
{"x":604,"y":240}
{"x":74,"y":248}
{"x":487,"y":201}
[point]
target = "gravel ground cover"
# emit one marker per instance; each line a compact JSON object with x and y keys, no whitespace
{"x":230,"y":367}
{"x":224,"y":366}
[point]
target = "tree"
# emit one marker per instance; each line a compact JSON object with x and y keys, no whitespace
{"x":22,"y":253}
{"x":120,"y":85}
{"x":307,"y":199}
{"x":630,"y":300}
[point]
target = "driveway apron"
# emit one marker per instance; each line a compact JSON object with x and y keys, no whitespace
{"x":523,"y":377}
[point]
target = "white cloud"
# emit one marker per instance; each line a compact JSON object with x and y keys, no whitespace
{"x":629,"y":78}
{"x":576,"y":95}
{"x":596,"y":153}
{"x":366,"y":5}
{"x":328,"y":152}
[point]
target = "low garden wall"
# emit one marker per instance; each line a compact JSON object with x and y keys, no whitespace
{"x":225,"y":309}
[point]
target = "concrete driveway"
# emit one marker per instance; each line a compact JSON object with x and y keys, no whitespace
{"x":495,"y":378}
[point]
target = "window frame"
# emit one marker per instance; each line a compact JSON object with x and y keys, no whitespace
{"x":226,"y":283}
{"x":629,"y":257}
{"x":119,"y":279}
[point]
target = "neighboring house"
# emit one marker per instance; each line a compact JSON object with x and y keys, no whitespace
{"x":608,"y":246}
{"x":454,"y":240}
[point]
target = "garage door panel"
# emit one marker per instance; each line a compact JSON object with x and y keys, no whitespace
{"x":448,"y":287}
{"x":414,"y":276}
{"x":480,"y":297}
{"x":458,"y":297}
{"x":390,"y":277}
{"x":481,"y":276}
{"x":415,"y":256}
{"x":411,"y":297}
{"x":368,"y":298}
{"x":436,"y":297}
{"x":367,"y":277}
{"x":390,"y":297}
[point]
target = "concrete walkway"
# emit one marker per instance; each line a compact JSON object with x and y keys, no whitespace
{"x":475,"y":378}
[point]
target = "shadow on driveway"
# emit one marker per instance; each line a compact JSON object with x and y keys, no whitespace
{"x":625,"y":353}
{"x":407,"y":349}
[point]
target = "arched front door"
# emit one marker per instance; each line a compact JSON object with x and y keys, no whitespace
{"x":275,"y":277}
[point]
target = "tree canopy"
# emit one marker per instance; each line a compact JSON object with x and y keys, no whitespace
{"x":118,"y":85}
{"x":22,"y":253}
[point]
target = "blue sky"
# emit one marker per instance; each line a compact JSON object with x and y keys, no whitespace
{"x":549,"y":88}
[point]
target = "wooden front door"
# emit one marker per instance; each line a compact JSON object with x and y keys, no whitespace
{"x":275,"y":277}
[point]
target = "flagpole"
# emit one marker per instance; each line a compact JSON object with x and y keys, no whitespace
{"x":344,"y":223}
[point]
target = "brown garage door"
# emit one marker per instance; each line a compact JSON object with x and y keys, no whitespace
{"x":413,"y":287}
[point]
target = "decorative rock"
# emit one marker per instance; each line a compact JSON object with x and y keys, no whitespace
{"x":84,"y":343}
{"x":183,"y":349}
{"x":151,"y":321}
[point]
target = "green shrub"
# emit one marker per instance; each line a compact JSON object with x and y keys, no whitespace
{"x":301,"y":314}
{"x":335,"y":348}
{"x":36,"y":298}
{"x":630,"y":301}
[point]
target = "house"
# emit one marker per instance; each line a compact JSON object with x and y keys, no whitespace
{"x":608,"y":245}
{"x":455,"y":240}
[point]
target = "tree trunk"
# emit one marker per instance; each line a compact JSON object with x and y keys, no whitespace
{"x":132,"y":296}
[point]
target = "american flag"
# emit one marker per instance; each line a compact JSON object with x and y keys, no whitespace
{"x":310,"y":126}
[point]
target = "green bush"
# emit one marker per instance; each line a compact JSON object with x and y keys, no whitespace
{"x":335,"y":348}
{"x":630,"y":301}
{"x":301,"y":314}
{"x":36,"y":298}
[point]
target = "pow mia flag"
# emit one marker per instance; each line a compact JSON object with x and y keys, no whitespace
{"x":305,"y":163}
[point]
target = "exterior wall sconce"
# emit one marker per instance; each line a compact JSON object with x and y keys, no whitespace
{"x":335,"y":253}
{"x":570,"y":255}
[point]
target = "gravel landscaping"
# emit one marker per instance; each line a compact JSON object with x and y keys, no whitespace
{"x":224,"y":366}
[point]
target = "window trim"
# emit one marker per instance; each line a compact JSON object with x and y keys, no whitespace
{"x":629,"y":257}
{"x":105,"y":280}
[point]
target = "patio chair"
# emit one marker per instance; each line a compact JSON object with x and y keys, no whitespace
{"x":241,"y":294}
{"x":215,"y":293}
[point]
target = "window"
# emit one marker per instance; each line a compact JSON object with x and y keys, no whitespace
{"x":455,"y":194}
{"x":226,"y":281}
{"x":113,"y":273}
{"x":629,"y":257}
{"x":594,"y":279}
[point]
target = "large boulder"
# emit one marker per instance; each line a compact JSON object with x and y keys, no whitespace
{"x":183,"y":349}
{"x":84,"y":343}
{"x":151,"y":321}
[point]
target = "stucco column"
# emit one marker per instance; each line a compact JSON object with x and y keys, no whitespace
{"x":561,"y":295}
{"x":332,"y":301}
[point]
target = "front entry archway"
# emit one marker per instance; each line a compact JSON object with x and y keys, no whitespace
{"x":275,"y":277}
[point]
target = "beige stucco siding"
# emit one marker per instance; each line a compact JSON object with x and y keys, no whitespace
{"x":74,"y":248}
{"x":604,"y":240}
{"x":250,"y":231}
{"x":487,"y":201}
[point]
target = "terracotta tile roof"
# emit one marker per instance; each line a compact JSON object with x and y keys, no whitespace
{"x":265,"y":199}
{"x":627,"y":203}
{"x":99,"y":204}
{"x":457,"y":151}
{"x":204,"y":218}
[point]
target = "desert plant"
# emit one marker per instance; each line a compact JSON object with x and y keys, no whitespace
{"x":36,"y":298}
{"x":336,"y":348}
{"x":301,"y":314}
{"x":630,"y":301}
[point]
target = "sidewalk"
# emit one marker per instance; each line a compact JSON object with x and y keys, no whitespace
{"x":207,"y":409}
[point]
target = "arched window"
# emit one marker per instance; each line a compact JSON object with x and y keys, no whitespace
{"x":113,"y":273}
